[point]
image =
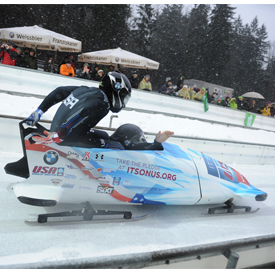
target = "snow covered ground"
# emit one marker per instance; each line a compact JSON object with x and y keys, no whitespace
{"x":166,"y":227}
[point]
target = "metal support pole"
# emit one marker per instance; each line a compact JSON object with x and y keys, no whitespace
{"x":232,"y":257}
{"x":111,"y":118}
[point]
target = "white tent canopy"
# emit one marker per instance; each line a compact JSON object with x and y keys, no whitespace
{"x":118,"y":56}
{"x":40,"y":38}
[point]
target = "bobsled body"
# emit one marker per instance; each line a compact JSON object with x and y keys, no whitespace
{"x":66,"y":174}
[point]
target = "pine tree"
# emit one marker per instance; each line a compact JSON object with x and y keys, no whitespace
{"x":218,"y":44}
{"x":168,"y":44}
{"x":197,"y":24}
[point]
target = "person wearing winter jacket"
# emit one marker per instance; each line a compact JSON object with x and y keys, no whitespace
{"x":192,"y":93}
{"x":19,"y":59}
{"x":164,"y":87}
{"x":233,"y":103}
{"x":30,"y":60}
{"x":134,"y":80}
{"x":200,"y":94}
{"x":9,"y":54}
{"x":242,"y":105}
{"x":49,"y":65}
{"x":85,"y":72}
{"x":145,"y":84}
{"x":265,"y":111}
{"x":180,"y":83}
{"x":67,"y":69}
{"x":184,"y":92}
{"x":226,"y":103}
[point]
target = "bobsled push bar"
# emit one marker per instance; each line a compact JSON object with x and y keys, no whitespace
{"x":87,"y":213}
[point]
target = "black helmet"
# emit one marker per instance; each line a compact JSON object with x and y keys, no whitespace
{"x":128,"y":135}
{"x":117,"y":87}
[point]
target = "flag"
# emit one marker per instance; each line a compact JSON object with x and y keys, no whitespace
{"x":249,"y":119}
{"x":205,"y":103}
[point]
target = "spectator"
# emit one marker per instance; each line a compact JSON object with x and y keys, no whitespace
{"x":192,"y":93}
{"x":19,"y":59}
{"x":134,"y":80}
{"x":85,"y":72}
{"x":242,"y":105}
{"x":49,"y":65}
{"x":184,"y":92}
{"x":233,"y":104}
{"x":111,"y":68}
{"x":214,"y":98}
{"x":63,"y":62}
{"x":180,"y":83}
{"x":71,"y":57}
{"x":252,"y":107}
{"x":200,"y":94}
{"x":266,"y":109}
{"x":272,"y":109}
{"x":99,"y":75}
{"x":226,"y":103}
{"x":94,"y":72}
{"x":67,"y":69}
{"x":30,"y":60}
{"x":219,"y":102}
{"x":145,"y":83}
{"x":9,"y":54}
{"x":164,"y":87}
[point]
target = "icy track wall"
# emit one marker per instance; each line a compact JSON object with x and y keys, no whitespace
{"x":12,"y":79}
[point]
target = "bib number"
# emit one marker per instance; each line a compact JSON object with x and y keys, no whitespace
{"x":70,"y":101}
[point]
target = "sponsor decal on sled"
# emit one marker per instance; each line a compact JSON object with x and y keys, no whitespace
{"x":56,"y":181}
{"x":116,"y":180}
{"x":71,"y":166}
{"x":51,"y":157}
{"x":86,"y":156}
{"x":48,"y":171}
{"x":99,"y":157}
{"x":72,"y":155}
{"x":68,"y":185}
{"x":105,"y":189}
{"x":67,"y":176}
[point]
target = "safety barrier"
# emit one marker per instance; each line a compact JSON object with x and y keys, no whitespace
{"x":17,"y":79}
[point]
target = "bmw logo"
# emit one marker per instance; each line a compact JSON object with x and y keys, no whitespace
{"x":11,"y":34}
{"x":116,"y":59}
{"x":50,"y":157}
{"x":117,"y":86}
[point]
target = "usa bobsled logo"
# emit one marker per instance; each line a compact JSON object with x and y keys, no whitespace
{"x":51,"y":157}
{"x":48,"y":171}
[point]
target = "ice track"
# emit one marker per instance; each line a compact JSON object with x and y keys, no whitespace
{"x":167,"y":227}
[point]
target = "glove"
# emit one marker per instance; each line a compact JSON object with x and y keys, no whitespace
{"x":34,"y":117}
{"x":70,"y":74}
{"x":50,"y":138}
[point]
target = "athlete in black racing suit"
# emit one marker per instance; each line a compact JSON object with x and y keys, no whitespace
{"x":82,"y":108}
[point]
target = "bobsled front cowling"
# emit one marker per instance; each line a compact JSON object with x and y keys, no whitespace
{"x":219,"y":180}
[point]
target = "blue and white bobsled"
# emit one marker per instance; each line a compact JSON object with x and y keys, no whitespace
{"x":64,"y":174}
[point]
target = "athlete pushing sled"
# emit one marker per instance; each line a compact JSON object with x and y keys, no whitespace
{"x":83,"y":107}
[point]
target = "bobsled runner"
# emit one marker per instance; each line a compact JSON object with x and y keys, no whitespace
{"x":59,"y":173}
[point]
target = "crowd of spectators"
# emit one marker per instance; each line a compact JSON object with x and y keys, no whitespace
{"x":12,"y":55}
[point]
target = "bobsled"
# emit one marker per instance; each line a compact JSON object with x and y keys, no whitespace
{"x":61,"y":173}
